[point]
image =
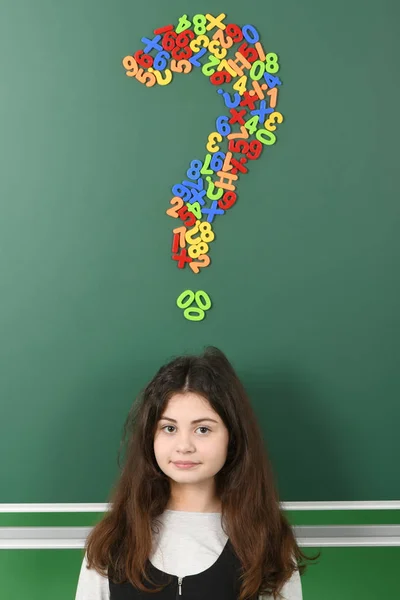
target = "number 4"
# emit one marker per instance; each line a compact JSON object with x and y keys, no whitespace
{"x":183,"y":24}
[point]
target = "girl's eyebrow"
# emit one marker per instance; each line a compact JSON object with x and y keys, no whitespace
{"x":193,"y":422}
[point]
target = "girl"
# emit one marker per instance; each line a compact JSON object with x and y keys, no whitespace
{"x":195,"y":514}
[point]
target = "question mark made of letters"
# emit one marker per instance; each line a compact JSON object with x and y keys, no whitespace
{"x":210,"y":187}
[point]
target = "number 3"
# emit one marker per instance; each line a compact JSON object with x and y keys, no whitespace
{"x":275,"y":117}
{"x":212,"y":139}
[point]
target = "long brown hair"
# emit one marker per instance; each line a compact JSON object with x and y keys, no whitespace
{"x":259,"y":532}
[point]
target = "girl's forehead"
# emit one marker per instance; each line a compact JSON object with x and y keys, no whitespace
{"x":187,"y":399}
{"x":186,"y":405}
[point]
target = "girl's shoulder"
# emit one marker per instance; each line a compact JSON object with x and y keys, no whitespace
{"x":91,"y":584}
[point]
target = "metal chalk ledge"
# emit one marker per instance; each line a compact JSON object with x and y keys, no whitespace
{"x":64,"y":538}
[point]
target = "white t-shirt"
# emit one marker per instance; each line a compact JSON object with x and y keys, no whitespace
{"x":180,"y":548}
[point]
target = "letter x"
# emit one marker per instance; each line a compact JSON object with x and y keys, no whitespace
{"x":211,"y":212}
{"x":215,"y":21}
{"x":262,"y":111}
{"x":237,"y":116}
{"x":152,"y":44}
{"x":182,"y":258}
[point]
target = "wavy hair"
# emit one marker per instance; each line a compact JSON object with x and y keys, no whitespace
{"x":260,"y":534}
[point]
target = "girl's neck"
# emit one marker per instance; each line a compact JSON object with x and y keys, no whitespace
{"x":215,"y":508}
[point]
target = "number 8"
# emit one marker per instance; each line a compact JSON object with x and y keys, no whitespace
{"x":195,"y":251}
{"x":271,"y":63}
{"x":206,"y":233}
{"x":199,"y":22}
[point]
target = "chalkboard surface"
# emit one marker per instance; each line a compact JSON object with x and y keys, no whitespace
{"x":304,"y":273}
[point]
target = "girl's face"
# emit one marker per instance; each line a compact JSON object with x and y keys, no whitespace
{"x":204,"y":442}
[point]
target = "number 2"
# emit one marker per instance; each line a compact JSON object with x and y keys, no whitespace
{"x":173,"y":212}
{"x":198,"y":264}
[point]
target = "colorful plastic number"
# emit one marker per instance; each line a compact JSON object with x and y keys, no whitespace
{"x":199,"y":22}
{"x":208,"y":69}
{"x":266,"y":137}
{"x":183,"y":24}
{"x":198,"y":249}
{"x":173,"y":212}
{"x":212,"y":139}
{"x":202,"y":262}
{"x":271,"y":63}
{"x":275,"y":117}
{"x":223,"y":126}
{"x":130,"y":65}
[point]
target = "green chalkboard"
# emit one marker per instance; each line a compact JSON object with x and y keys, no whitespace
{"x":304,"y":273}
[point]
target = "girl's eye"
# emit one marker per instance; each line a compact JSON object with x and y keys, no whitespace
{"x":202,"y":427}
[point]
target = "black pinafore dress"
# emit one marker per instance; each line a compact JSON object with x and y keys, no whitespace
{"x":218,"y":582}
